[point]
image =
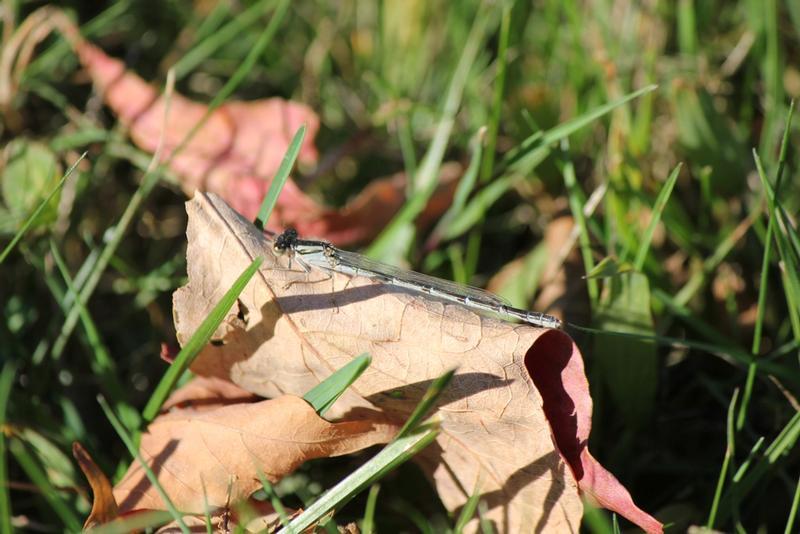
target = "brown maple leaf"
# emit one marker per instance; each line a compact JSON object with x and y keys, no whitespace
{"x":515,"y":421}
{"x":214,"y":455}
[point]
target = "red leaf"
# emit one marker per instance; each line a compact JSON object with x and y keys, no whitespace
{"x":560,"y":379}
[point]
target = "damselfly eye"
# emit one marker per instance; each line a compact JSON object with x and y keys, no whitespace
{"x":278,"y":249}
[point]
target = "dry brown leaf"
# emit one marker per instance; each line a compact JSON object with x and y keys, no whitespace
{"x":218,"y":451}
{"x":495,"y":432}
{"x":205,"y":393}
{"x":104,"y":507}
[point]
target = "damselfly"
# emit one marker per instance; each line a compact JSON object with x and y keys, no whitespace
{"x":323,"y":255}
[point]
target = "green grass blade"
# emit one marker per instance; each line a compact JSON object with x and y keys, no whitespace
{"x":426,"y":403}
{"x":406,"y":141}
{"x":32,"y":218}
{"x":198,"y":340}
{"x":6,"y":382}
{"x":94,"y":274}
{"x":629,"y":367}
{"x":242,"y":71}
{"x":412,"y":438}
{"x":687,"y":28}
{"x":209,"y":23}
{"x":575,"y":196}
{"x":39,"y":477}
{"x":658,"y":209}
{"x":476,"y":209}
{"x":793,"y":510}
{"x":771,"y":73}
{"x":281,"y":176}
{"x":395,"y":237}
{"x":323,"y":395}
{"x":790,"y":273}
{"x":520,"y":161}
{"x":103,"y":362}
{"x":780,"y":447}
{"x":784,"y":149}
{"x":206,"y":509}
{"x":615,"y":524}
{"x":790,"y":280}
{"x":729,"y":352}
{"x":464,"y":188}
{"x":151,"y":177}
{"x":388,"y":458}
{"x":486,"y":524}
{"x":133,"y":450}
{"x":596,"y":520}
{"x":730,"y":450}
{"x":274,"y":499}
{"x":609,"y":267}
{"x":786,"y":238}
{"x":761,"y":303}
{"x":499,"y":90}
{"x":368,"y":523}
{"x":710,"y":264}
{"x":749,"y":461}
{"x":534,"y":149}
{"x":468,"y":510}
{"x":219,"y":38}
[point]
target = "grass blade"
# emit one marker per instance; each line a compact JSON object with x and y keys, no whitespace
{"x":103,"y":363}
{"x":576,"y":207}
{"x":323,"y":395}
{"x":596,"y":520}
{"x":532,"y":150}
{"x":39,"y":477}
{"x":206,"y":509}
{"x":368,"y":524}
{"x":468,"y":510}
{"x":6,"y":382}
{"x":520,"y":162}
{"x":499,"y":90}
{"x":426,"y":403}
{"x":793,"y":510}
{"x":128,"y":440}
{"x":395,"y":237}
{"x":658,"y":209}
{"x":274,"y":499}
{"x":394,"y":454}
{"x":198,"y":340}
{"x":792,"y":284}
{"x":760,"y":306}
{"x":219,"y":38}
{"x":280,"y":178}
{"x":780,"y":447}
{"x":412,"y":438}
{"x":730,"y":450}
{"x":32,"y":218}
{"x":463,"y":190}
{"x":152,"y":175}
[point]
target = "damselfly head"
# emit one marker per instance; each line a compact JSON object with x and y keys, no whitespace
{"x":284,"y":242}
